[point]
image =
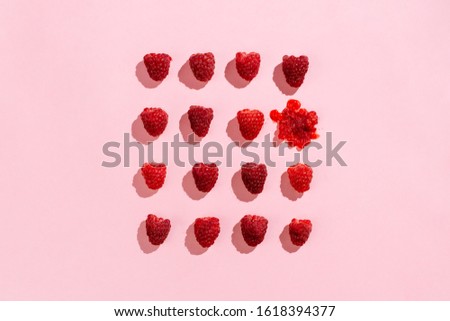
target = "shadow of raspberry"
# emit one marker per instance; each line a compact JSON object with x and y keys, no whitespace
{"x":143,"y":241}
{"x":187,"y":78}
{"x":287,"y":190}
{"x":238,"y":240}
{"x":280,"y":80}
{"x":143,"y":77}
{"x":191,"y":242}
{"x":235,"y":134}
{"x":233,"y":77}
{"x":239,"y":188}
{"x":141,"y":187}
{"x":286,"y":242}
{"x":186,"y":131}
{"x":139,"y":133}
{"x":190,"y":188}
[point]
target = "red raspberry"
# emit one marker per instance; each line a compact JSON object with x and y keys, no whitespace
{"x":250,"y":123}
{"x":200,"y":119}
{"x":205,"y":176}
{"x":296,"y":125}
{"x":154,"y":174}
{"x":154,"y":120}
{"x":247,"y":64}
{"x":294,"y":69}
{"x":202,"y":65}
{"x":206,"y":230}
{"x":253,"y":228}
{"x":254,"y":176}
{"x":300,"y":176}
{"x":299,"y":231}
{"x":157,"y":229}
{"x":158,"y":65}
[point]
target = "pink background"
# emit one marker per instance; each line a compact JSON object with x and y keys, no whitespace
{"x":379,"y":79}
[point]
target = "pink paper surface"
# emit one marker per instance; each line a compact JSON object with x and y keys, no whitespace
{"x":71,"y":79}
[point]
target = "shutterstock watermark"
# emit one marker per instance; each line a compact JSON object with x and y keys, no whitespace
{"x":120,"y":153}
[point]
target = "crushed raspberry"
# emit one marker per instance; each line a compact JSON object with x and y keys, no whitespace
{"x":296,"y":125}
{"x":275,"y":115}
{"x":293,"y":104}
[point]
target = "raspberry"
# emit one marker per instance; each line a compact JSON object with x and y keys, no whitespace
{"x":200,"y":119}
{"x":296,"y":125}
{"x":247,"y":64}
{"x":300,"y":176}
{"x":154,"y":120}
{"x":205,"y":176}
{"x":202,"y":66}
{"x":253,"y":228}
{"x":157,"y":229}
{"x":250,"y":123}
{"x":294,"y":69}
{"x":206,"y":230}
{"x":157,"y":65}
{"x":299,"y":231}
{"x":154,"y":174}
{"x":254,"y":176}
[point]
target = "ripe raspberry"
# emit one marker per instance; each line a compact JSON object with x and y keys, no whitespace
{"x":157,"y":229}
{"x":154,"y":120}
{"x":299,"y":231}
{"x":250,"y":123}
{"x":296,"y":125}
{"x":247,"y":64}
{"x":158,"y":65}
{"x":154,"y":175}
{"x":202,"y":66}
{"x":205,"y":176}
{"x":253,"y":228}
{"x":200,"y":119}
{"x":300,"y":176}
{"x":206,"y":230}
{"x":254,"y":176}
{"x":294,"y":69}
